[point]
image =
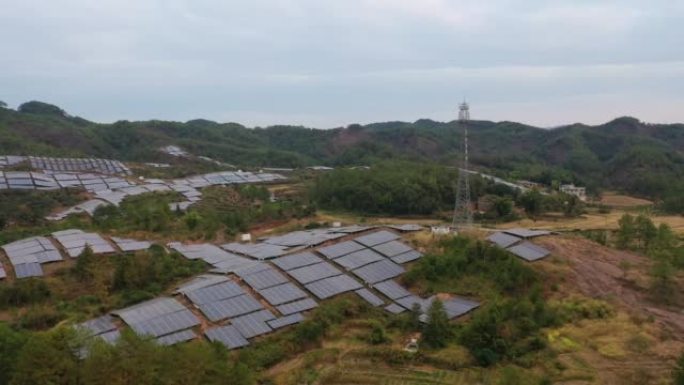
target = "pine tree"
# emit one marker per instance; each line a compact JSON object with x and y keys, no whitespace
{"x":437,"y":331}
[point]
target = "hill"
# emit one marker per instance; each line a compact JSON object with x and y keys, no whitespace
{"x":624,"y":154}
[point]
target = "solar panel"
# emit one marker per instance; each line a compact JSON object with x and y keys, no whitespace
{"x":259,"y":251}
{"x":503,"y":240}
{"x":297,"y":306}
{"x":340,"y":249}
{"x":293,"y":261}
{"x":228,"y":336}
{"x":314,"y":272}
{"x":406,"y":227}
{"x":376,"y":238}
{"x":394,"y":308}
{"x":391,"y":289}
{"x":209,"y":253}
{"x":411,"y":300}
{"x":75,"y":241}
{"x":149,"y":309}
{"x":358,"y":259}
{"x":265,"y":279}
{"x":252,"y":325}
{"x":128,"y":245}
{"x":392,"y":248}
{"x":280,"y":294}
{"x":215,"y":293}
{"x":175,"y":338}
{"x":201,"y":281}
{"x":332,"y":286}
{"x":529,"y":251}
{"x":31,"y":250}
{"x":166,"y":324}
{"x":286,"y":321}
{"x":526,"y":233}
{"x":98,"y":325}
{"x":110,"y":337}
{"x":379,"y":271}
{"x":253,"y":268}
{"x":231,"y":307}
{"x":456,"y":307}
{"x":407,"y":257}
{"x":369,"y":297}
{"x":27,"y":270}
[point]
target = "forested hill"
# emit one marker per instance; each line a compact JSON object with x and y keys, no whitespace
{"x":624,"y":153}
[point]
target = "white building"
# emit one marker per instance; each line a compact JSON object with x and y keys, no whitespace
{"x":579,"y":192}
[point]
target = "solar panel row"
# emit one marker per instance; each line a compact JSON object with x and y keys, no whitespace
{"x":529,"y":251}
{"x":329,"y":287}
{"x":379,"y":271}
{"x":228,"y":336}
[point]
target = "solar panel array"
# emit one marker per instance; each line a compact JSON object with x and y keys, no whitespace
{"x":75,"y":241}
{"x":503,"y":240}
{"x":379,"y":271}
{"x":222,"y":261}
{"x":103,"y":166}
{"x":332,"y":286}
{"x":526,"y":233}
{"x":158,"y":317}
{"x":128,"y":245}
{"x":376,"y":238}
{"x":228,"y":178}
{"x":294,"y":261}
{"x":222,"y":299}
{"x":87,"y":207}
{"x":27,"y":255}
{"x":262,"y":279}
{"x":259,"y":251}
{"x":102,"y":327}
{"x":253,"y":324}
{"x":278,"y":295}
{"x":20,"y":180}
{"x":227,"y":335}
{"x":286,"y":321}
{"x":369,"y":297}
{"x":297,"y":306}
{"x":529,"y":251}
{"x":315,"y":272}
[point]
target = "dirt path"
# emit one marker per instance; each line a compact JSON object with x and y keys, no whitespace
{"x":614,"y":275}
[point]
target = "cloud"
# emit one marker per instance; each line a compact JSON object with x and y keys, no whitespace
{"x":331,"y":63}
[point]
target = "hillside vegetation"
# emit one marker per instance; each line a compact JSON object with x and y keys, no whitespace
{"x":624,"y":154}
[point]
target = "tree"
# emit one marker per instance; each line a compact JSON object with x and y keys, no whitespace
{"x":3,"y":104}
{"x":678,"y":373}
{"x":531,"y":201}
{"x":11,"y":343}
{"x":34,"y":107}
{"x":47,"y":358}
{"x":414,"y":317}
{"x":503,"y":207}
{"x":626,"y":231}
{"x":192,"y":219}
{"x":378,"y":335}
{"x":437,"y":330}
{"x":646,"y":231}
{"x":84,"y":264}
{"x":662,"y":283}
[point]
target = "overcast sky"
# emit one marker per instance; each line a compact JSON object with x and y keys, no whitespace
{"x":325,"y":63}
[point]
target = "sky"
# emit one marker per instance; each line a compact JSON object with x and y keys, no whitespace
{"x":324,"y":63}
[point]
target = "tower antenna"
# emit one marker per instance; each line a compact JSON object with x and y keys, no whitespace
{"x":463,"y":213}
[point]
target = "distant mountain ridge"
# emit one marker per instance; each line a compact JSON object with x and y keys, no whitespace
{"x":623,"y":153}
